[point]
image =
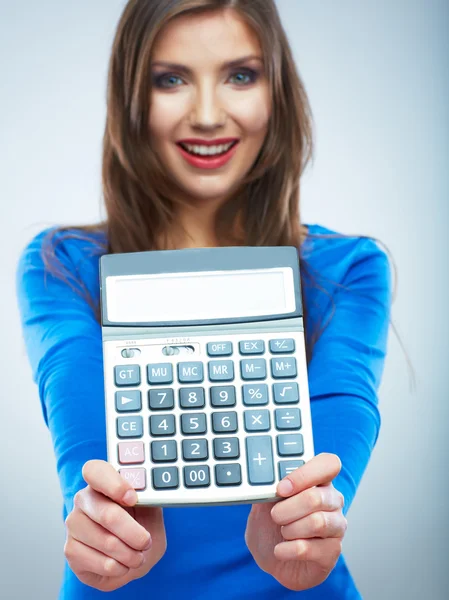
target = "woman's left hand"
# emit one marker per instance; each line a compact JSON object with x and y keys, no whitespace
{"x":298,"y":540}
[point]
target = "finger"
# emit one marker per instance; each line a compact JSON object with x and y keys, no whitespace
{"x":320,"y":524}
{"x":86,"y":531}
{"x":85,"y":559}
{"x":103,"y":478}
{"x":325,"y":498}
{"x":112,"y":517}
{"x":319,"y":470}
{"x":323,"y":552}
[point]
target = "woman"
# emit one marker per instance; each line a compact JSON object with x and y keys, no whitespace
{"x":191,"y":78}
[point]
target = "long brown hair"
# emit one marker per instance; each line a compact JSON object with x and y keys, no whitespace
{"x":136,"y":186}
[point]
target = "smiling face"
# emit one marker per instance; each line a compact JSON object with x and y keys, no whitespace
{"x":208,"y":117}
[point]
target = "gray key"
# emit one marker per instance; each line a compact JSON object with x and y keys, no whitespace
{"x":287,"y":466}
{"x":252,"y":347}
{"x":222,"y":395}
{"x":253,"y":368}
{"x":259,"y":456}
{"x":161,"y":399}
{"x":196,"y":476}
{"x":164,"y":451}
{"x":193,"y":423}
{"x":219,"y":348}
{"x":286,"y":393}
{"x":129,"y":427}
{"x":191,"y":397}
{"x":255,"y":394}
{"x":228,"y":474}
{"x":128,"y":401}
{"x":257,"y":420}
{"x":290,"y":444}
{"x":288,"y":418}
{"x":224,"y":422}
{"x":282,"y":345}
{"x":160,"y":373}
{"x":162,"y":425}
{"x":127,"y":375}
{"x":190,"y":372}
{"x":221,"y":370}
{"x":283,"y":367}
{"x":165,"y":477}
{"x":226,"y":448}
{"x":195,"y":449}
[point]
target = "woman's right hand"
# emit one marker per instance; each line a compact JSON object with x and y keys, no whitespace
{"x":106,"y":539}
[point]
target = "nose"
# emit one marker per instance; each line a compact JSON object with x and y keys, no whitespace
{"x":207,"y":111}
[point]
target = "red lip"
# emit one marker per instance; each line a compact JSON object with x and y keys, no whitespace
{"x":210,"y":162}
{"x":199,"y":142}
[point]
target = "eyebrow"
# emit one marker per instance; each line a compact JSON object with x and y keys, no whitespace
{"x":185,"y":69}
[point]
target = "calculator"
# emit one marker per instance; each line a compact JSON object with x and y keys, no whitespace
{"x":206,"y":389}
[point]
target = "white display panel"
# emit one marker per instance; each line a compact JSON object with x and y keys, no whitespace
{"x":200,"y":295}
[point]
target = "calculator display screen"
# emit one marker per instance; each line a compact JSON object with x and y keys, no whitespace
{"x":200,"y":295}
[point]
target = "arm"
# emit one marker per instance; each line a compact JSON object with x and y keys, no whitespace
{"x":63,"y":343}
{"x":347,"y":365}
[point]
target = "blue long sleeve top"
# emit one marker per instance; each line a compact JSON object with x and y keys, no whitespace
{"x":206,"y":555}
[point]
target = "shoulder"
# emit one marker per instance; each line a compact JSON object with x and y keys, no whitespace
{"x":340,"y":255}
{"x":70,"y":252}
{"x":69,"y":245}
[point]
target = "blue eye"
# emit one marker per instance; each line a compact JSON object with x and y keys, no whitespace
{"x":245,"y":76}
{"x":166,"y":80}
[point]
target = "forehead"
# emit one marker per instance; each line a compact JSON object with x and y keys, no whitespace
{"x":223,"y":34}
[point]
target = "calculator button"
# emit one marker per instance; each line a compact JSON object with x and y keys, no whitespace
{"x":190,"y":372}
{"x":194,"y":423}
{"x":195,"y":449}
{"x":162,"y":425}
{"x":257,"y":420}
{"x":255,"y":394}
{"x":286,"y":393}
{"x":196,"y":476}
{"x":287,"y":466}
{"x":165,"y":478}
{"x":283,"y":367}
{"x":252,"y":347}
{"x":282,"y":345}
{"x":129,"y":427}
{"x":161,"y":399}
{"x":219,"y":348}
{"x":222,"y":395}
{"x":288,"y":418}
{"x":224,"y":422}
{"x":160,"y":373}
{"x":228,"y":474}
{"x":259,"y":456}
{"x":136,"y":477}
{"x":128,"y":401}
{"x":221,"y":370}
{"x":127,"y":375}
{"x":191,"y":397}
{"x":253,"y":368}
{"x":226,"y":448}
{"x":164,"y":451}
{"x":130,"y":453}
{"x":290,"y":444}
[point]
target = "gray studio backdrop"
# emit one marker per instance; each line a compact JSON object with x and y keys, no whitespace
{"x":377,"y":76}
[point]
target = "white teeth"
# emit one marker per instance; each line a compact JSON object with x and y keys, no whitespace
{"x":207,"y":150}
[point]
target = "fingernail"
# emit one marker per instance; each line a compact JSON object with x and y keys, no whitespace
{"x":285,"y":487}
{"x":148,"y":544}
{"x":130,"y":497}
